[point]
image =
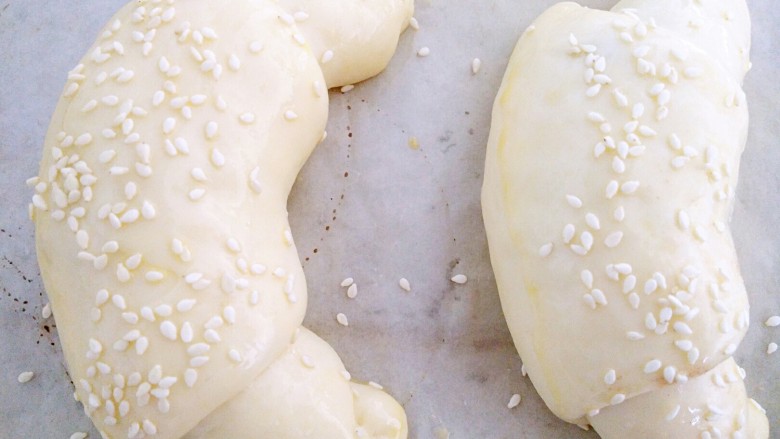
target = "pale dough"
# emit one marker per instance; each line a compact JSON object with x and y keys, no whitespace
{"x":611,"y":167}
{"x":161,"y":222}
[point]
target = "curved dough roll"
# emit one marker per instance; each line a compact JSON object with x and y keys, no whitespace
{"x":161,"y":222}
{"x":610,"y":176}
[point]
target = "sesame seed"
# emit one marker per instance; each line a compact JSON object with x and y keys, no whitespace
{"x":414,"y":24}
{"x":141,"y":345}
{"x":347,"y":282}
{"x":669,"y":373}
{"x":613,"y":239}
{"x":197,"y":194}
{"x":617,"y":399}
{"x":168,"y":330}
{"x":404,"y":284}
{"x":341,"y":318}
{"x":514,"y":401}
{"x":771,"y":348}
{"x":592,"y":221}
{"x":593,"y":90}
{"x":610,"y":377}
{"x":247,"y":118}
{"x":347,"y":88}
{"x":186,"y":332}
{"x":568,"y":233}
{"x":599,"y":297}
{"x":217,"y":159}
{"x":212,"y":336}
{"x":574,"y":201}
{"x":211,"y":129}
{"x":190,"y":377}
{"x":772,"y":322}
{"x":476,"y":64}
{"x":423,"y":52}
{"x":307,"y":361}
{"x":634,"y":336}
{"x":234,"y":355}
{"x":130,"y":317}
{"x":25,"y":377}
{"x":611,"y":189}
{"x":546,"y":249}
{"x":118,"y":300}
{"x":589,"y":300}
{"x":352,"y":291}
{"x":652,"y":366}
{"x":229,"y":313}
{"x":290,"y":115}
{"x":586,"y":238}
{"x":459,"y":279}
{"x":650,"y":322}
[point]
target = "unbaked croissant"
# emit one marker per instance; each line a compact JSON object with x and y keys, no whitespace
{"x":611,"y":167}
{"x":161,"y":221}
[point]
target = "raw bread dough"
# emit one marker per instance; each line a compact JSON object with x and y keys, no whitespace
{"x":611,"y":167}
{"x":161,"y":224}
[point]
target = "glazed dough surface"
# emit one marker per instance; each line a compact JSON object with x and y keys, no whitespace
{"x":161,"y":222}
{"x":608,"y":190}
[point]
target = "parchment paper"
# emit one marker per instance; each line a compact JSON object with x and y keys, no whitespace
{"x":369,"y":205}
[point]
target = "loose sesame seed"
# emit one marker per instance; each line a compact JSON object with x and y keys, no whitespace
{"x":25,"y":377}
{"x":352,"y":291}
{"x":341,"y":318}
{"x":404,"y":284}
{"x":514,"y":401}
{"x":772,"y":322}
{"x":459,"y":279}
{"x":423,"y":52}
{"x":476,"y":64}
{"x":771,"y":348}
